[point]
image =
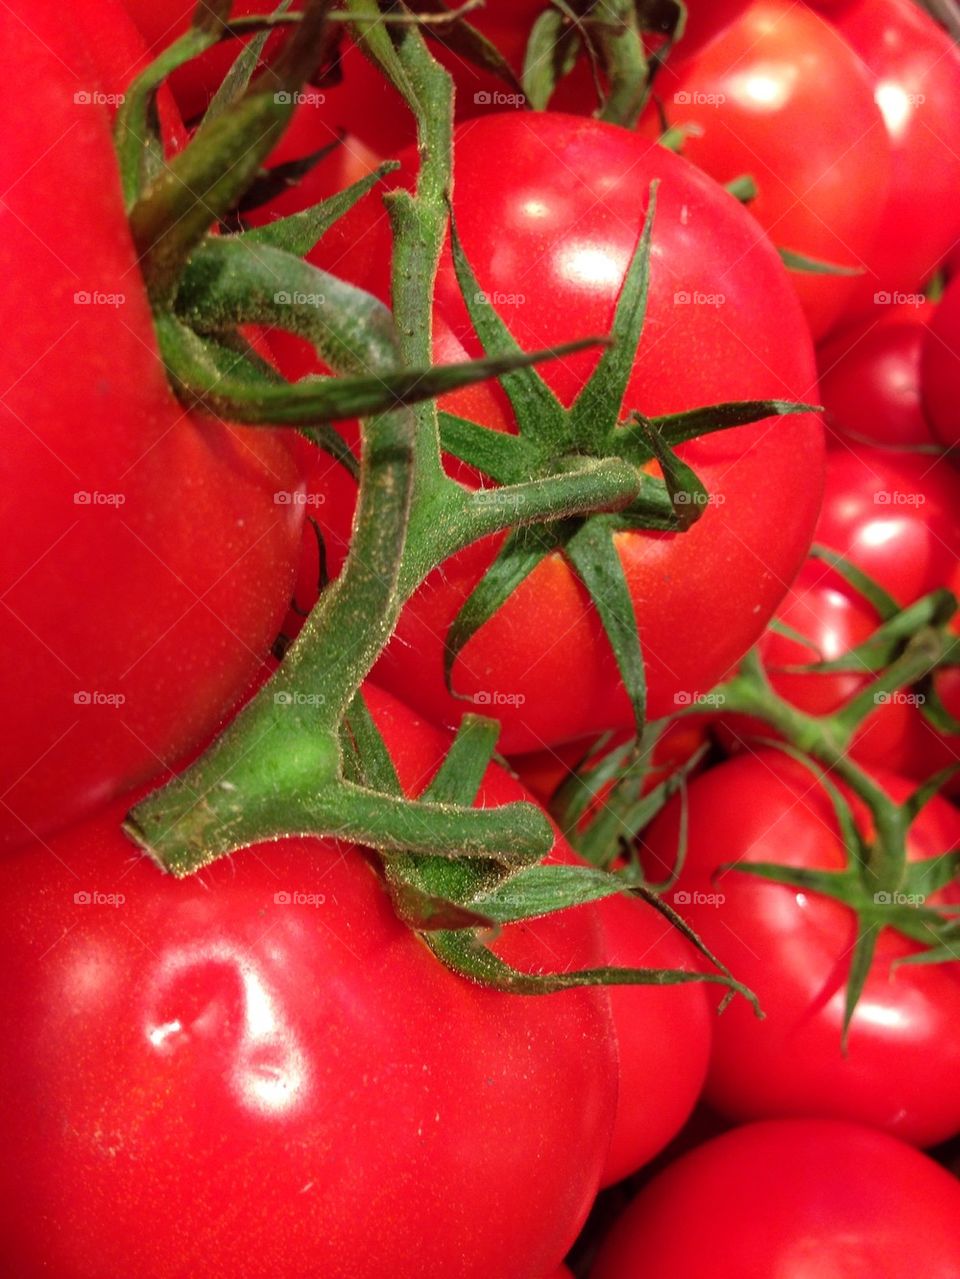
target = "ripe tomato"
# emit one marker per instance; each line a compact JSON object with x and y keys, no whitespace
{"x":916,"y":75}
{"x":663,"y":1035}
{"x":797,"y":1199}
{"x":779,"y":96}
{"x":147,"y":553}
{"x":940,"y":367}
{"x":894,"y":515}
{"x":260,"y":1071}
{"x":870,"y":381}
{"x":793,"y":949}
{"x":549,"y":213}
{"x":835,"y":618}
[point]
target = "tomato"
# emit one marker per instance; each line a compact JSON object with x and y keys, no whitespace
{"x":147,"y":553}
{"x":916,"y":75}
{"x":896,"y":516}
{"x":870,"y":381}
{"x":835,"y":619}
{"x":778,"y":96}
{"x":260,"y":1070}
{"x":663,"y":1035}
{"x":793,"y":949}
{"x":549,"y":216}
{"x":799,"y":1199}
{"x":940,"y":367}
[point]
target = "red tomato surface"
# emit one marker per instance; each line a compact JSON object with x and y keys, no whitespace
{"x":916,"y":75}
{"x":940,"y":367}
{"x":894,"y":515}
{"x":147,"y":554}
{"x":799,"y":1199}
{"x":549,"y":212}
{"x":260,"y":1071}
{"x":780,"y":96}
{"x":663,"y":1035}
{"x":836,"y":619}
{"x":793,"y":949}
{"x":870,"y":381}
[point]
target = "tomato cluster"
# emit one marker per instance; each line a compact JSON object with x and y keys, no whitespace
{"x":697,"y":557}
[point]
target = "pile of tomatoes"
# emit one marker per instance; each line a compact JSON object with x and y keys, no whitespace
{"x":262,"y":1070}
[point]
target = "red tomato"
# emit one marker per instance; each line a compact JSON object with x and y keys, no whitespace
{"x":663,"y":1035}
{"x":870,"y":381}
{"x":916,"y":75}
{"x":896,"y":516}
{"x":940,"y":367}
{"x":835,"y":618}
{"x":780,"y":97}
{"x":260,"y":1071}
{"x":147,"y":553}
{"x":799,"y":1199}
{"x":793,"y":949}
{"x":549,"y":216}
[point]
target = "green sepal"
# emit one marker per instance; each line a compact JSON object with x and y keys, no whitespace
{"x":688,"y":495}
{"x":882,"y":601}
{"x":593,"y":554}
{"x":523,"y":549}
{"x":594,"y":413}
{"x":743,"y":188}
{"x":675,"y":429}
{"x":234,"y":83}
{"x":794,"y":261}
{"x":551,"y":53}
{"x":504,"y":458}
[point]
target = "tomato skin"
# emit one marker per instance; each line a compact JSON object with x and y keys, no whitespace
{"x":916,"y":72}
{"x":663,"y":1035}
{"x":145,"y":557}
{"x":779,"y":96}
{"x":792,"y":948}
{"x":870,"y":382}
{"x":799,"y":1199}
{"x":290,"y":1089}
{"x":940,"y":367}
{"x":894,"y":515}
{"x":565,"y":199}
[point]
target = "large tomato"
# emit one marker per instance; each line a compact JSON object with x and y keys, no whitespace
{"x":799,"y":1199}
{"x":940,"y":367}
{"x":780,"y":96}
{"x":147,"y":553}
{"x":549,"y":211}
{"x":260,"y":1071}
{"x":915,"y":68}
{"x":870,"y":380}
{"x":895,"y":515}
{"x":793,"y":949}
